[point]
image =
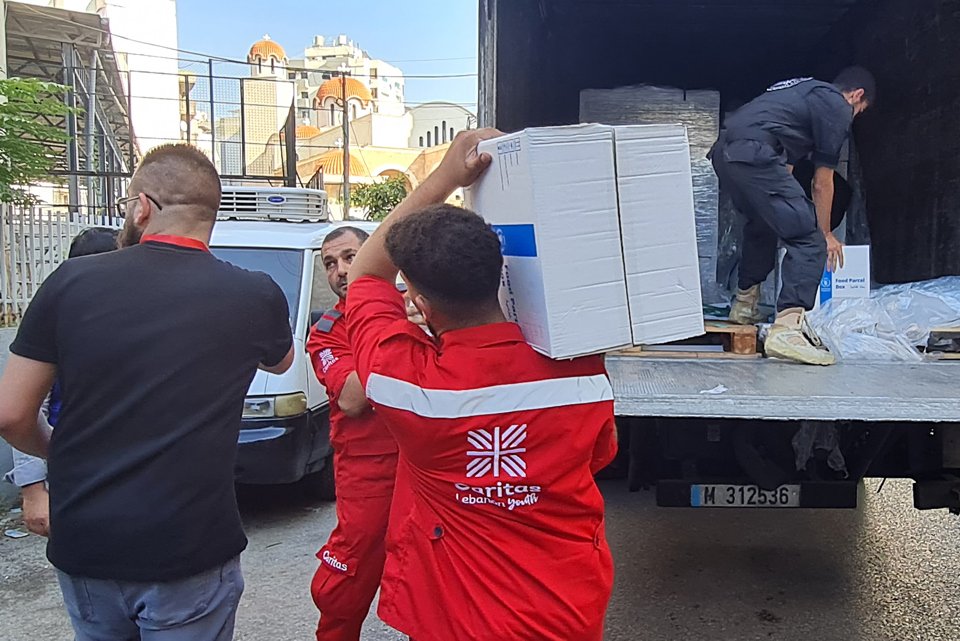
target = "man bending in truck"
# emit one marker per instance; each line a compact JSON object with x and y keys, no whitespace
{"x":496,"y":530}
{"x":365,"y":463}
{"x":754,"y":157}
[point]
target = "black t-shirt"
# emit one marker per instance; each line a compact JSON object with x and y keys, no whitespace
{"x":155,"y":347}
{"x":809,"y":119}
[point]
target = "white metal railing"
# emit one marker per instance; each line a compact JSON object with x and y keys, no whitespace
{"x":33,"y":242}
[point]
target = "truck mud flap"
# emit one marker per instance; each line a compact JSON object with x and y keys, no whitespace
{"x":813,"y":494}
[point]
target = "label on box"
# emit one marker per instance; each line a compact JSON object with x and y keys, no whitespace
{"x":850,"y":281}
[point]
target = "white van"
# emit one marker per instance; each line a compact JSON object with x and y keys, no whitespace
{"x":285,"y":435}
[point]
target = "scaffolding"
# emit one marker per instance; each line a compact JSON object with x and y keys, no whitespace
{"x":246,"y":123}
{"x":75,"y":49}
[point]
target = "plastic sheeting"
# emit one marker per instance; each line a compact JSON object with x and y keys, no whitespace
{"x":813,"y":436}
{"x":699,"y":112}
{"x":891,"y":323}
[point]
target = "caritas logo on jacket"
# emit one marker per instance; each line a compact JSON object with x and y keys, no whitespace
{"x":494,"y":454}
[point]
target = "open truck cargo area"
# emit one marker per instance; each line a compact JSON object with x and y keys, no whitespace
{"x":814,"y":431}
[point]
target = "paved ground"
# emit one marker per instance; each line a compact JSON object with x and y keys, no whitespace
{"x":882,"y":573}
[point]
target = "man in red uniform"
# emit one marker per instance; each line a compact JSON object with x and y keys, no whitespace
{"x":365,"y":463}
{"x":497,"y":526}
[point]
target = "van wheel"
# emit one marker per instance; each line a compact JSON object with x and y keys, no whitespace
{"x":321,"y":485}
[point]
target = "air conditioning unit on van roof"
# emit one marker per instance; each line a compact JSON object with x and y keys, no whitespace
{"x":287,"y":204}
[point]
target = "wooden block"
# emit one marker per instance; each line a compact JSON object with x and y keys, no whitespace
{"x":744,"y":344}
{"x":944,"y":357}
{"x":720,"y":327}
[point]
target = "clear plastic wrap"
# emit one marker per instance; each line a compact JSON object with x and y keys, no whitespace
{"x":891,"y":323}
{"x":699,"y":112}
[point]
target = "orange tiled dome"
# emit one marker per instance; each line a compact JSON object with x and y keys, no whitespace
{"x":332,"y":164}
{"x":307,"y":131}
{"x":334,"y":87}
{"x":266,"y":49}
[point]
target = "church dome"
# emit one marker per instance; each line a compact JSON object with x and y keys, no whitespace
{"x":266,"y":49}
{"x":334,"y":88}
{"x":307,"y":131}
{"x":332,"y":164}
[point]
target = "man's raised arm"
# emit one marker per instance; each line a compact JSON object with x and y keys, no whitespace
{"x":461,"y":167}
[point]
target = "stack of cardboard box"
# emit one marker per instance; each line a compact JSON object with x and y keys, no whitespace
{"x":599,"y":236}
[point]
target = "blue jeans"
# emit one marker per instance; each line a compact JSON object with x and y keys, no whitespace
{"x":199,"y":608}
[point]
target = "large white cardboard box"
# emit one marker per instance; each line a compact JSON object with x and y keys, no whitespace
{"x":551,"y":196}
{"x":658,"y":227}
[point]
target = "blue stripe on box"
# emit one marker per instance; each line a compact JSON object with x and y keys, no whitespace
{"x":517,"y":240}
{"x":826,"y":287}
{"x":694,"y":496}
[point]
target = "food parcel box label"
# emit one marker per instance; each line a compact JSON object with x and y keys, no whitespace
{"x":550,"y":194}
{"x":850,"y":281}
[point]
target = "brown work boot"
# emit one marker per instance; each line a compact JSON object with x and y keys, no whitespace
{"x":746,"y":308}
{"x":786,"y":339}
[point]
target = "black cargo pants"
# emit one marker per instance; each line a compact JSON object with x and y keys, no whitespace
{"x":777,"y":210}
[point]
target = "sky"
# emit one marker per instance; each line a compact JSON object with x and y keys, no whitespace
{"x":422,"y":37}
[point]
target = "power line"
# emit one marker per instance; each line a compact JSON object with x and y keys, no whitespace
{"x":209,"y":56}
{"x":431,"y":60}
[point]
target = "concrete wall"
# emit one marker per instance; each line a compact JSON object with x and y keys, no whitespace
{"x":8,"y":493}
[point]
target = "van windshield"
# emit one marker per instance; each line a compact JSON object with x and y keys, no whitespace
{"x":282,"y":265}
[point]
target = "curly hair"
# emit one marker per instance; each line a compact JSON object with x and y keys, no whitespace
{"x":93,"y":240}
{"x":450,"y":254}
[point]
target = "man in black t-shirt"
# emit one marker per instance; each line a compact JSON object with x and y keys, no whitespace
{"x":154,"y":347}
{"x":754,"y":157}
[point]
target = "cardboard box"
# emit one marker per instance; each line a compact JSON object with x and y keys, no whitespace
{"x":850,"y":281}
{"x":699,"y":112}
{"x":551,"y":196}
{"x":658,"y":227}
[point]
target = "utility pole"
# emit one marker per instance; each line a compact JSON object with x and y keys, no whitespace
{"x":346,"y":142}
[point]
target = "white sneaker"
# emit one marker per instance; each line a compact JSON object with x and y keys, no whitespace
{"x":787,"y":339}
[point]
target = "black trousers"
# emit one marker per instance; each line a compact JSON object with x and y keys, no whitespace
{"x":777,"y":211}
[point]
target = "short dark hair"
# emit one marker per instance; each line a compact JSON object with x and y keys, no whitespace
{"x":339,"y":232}
{"x":93,"y":240}
{"x":181,"y":174}
{"x":853,"y":78}
{"x":450,"y":254}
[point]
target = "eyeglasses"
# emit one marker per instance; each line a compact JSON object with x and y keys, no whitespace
{"x":122,"y":204}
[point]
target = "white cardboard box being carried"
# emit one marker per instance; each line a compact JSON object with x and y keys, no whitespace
{"x":658,"y":226}
{"x":551,"y":196}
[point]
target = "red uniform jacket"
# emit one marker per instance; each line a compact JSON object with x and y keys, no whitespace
{"x":333,"y":361}
{"x":496,"y":532}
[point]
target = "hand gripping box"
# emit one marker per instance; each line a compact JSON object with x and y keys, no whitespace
{"x":658,"y":226}
{"x":551,"y":196}
{"x":850,"y":281}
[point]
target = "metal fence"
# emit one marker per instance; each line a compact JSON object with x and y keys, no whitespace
{"x":33,"y":243}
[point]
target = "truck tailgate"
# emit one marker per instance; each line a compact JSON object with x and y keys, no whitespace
{"x":776,"y":390}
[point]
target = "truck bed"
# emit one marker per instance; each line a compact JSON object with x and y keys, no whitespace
{"x":777,"y":390}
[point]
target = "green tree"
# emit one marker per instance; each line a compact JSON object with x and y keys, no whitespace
{"x":25,"y":137}
{"x":380,"y":198}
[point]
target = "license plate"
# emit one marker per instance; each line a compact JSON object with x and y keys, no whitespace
{"x":743,"y":496}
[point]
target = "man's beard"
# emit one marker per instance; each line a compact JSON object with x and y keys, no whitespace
{"x":129,"y":235}
{"x":341,"y":290}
